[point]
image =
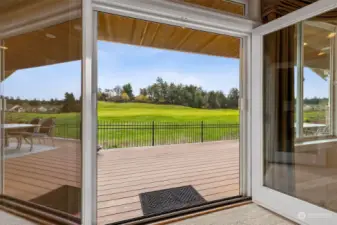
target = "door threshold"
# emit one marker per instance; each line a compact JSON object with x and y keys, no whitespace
{"x":205,"y":212}
{"x":189,"y":212}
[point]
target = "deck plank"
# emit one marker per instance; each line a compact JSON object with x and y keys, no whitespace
{"x":211,"y":168}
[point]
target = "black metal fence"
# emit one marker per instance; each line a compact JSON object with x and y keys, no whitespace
{"x":136,"y":134}
{"x":68,"y":130}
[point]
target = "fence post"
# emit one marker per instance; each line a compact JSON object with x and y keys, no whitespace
{"x":202,"y":131}
{"x":152,"y":133}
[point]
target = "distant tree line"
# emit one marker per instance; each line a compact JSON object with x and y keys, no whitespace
{"x":162,"y":92}
{"x":33,"y":102}
{"x":68,"y":104}
{"x":315,"y":101}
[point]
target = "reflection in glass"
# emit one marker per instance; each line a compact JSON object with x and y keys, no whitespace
{"x":300,"y":157}
{"x":316,"y":79}
{"x":41,"y":108}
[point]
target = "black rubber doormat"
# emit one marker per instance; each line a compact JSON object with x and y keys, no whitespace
{"x":167,"y":200}
{"x":65,"y":198}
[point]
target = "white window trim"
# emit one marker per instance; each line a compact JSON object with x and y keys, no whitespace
{"x":296,"y":16}
{"x":170,"y":12}
{"x":278,"y":202}
{"x":300,"y":83}
{"x":89,"y":129}
{"x":2,"y":135}
{"x":334,"y":84}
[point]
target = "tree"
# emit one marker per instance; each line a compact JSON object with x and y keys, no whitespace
{"x":222,"y":99}
{"x":69,"y":98}
{"x":172,"y":94}
{"x":154,"y":92}
{"x":118,"y":90}
{"x":70,"y":104}
{"x":99,"y":94}
{"x":34,"y":102}
{"x":162,"y":89}
{"x":141,"y":98}
{"x":125,"y":97}
{"x":198,"y":100}
{"x":233,"y":98}
{"x":127,"y":88}
{"x":143,"y":91}
{"x":213,"y":102}
{"x":178,"y":94}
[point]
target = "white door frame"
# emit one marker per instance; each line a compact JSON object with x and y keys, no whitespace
{"x":167,"y":12}
{"x":285,"y":205}
{"x":89,"y":138}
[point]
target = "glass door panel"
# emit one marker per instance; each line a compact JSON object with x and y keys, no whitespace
{"x":41,"y":116}
{"x":298,"y":152}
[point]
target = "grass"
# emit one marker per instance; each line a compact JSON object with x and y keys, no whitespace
{"x":133,"y":124}
{"x":315,"y":116}
{"x":140,"y":124}
{"x":141,"y":112}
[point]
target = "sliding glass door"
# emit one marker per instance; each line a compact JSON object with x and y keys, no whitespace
{"x":294,"y":155}
{"x":171,"y":117}
{"x":41,"y":107}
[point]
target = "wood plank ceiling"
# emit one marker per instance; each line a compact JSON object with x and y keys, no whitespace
{"x":7,"y":6}
{"x":52,"y":45}
{"x":317,"y":46}
{"x":62,"y":43}
{"x":144,"y":33}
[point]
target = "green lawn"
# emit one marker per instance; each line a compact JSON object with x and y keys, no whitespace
{"x":315,"y":116}
{"x":141,"y":112}
{"x":139,"y":124}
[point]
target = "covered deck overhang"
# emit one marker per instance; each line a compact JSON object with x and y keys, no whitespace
{"x":42,"y":47}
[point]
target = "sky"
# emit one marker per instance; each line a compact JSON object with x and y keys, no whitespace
{"x":119,"y":64}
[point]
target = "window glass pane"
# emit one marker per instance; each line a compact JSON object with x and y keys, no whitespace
{"x":41,"y":112}
{"x":299,"y":92}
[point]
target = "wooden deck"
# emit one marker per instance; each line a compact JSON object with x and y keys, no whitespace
{"x":211,"y":168}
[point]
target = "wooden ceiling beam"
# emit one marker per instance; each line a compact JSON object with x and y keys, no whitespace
{"x":144,"y":33}
{"x":207,"y":43}
{"x":155,"y":34}
{"x":184,"y":39}
{"x":109,"y":26}
{"x":133,"y":27}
